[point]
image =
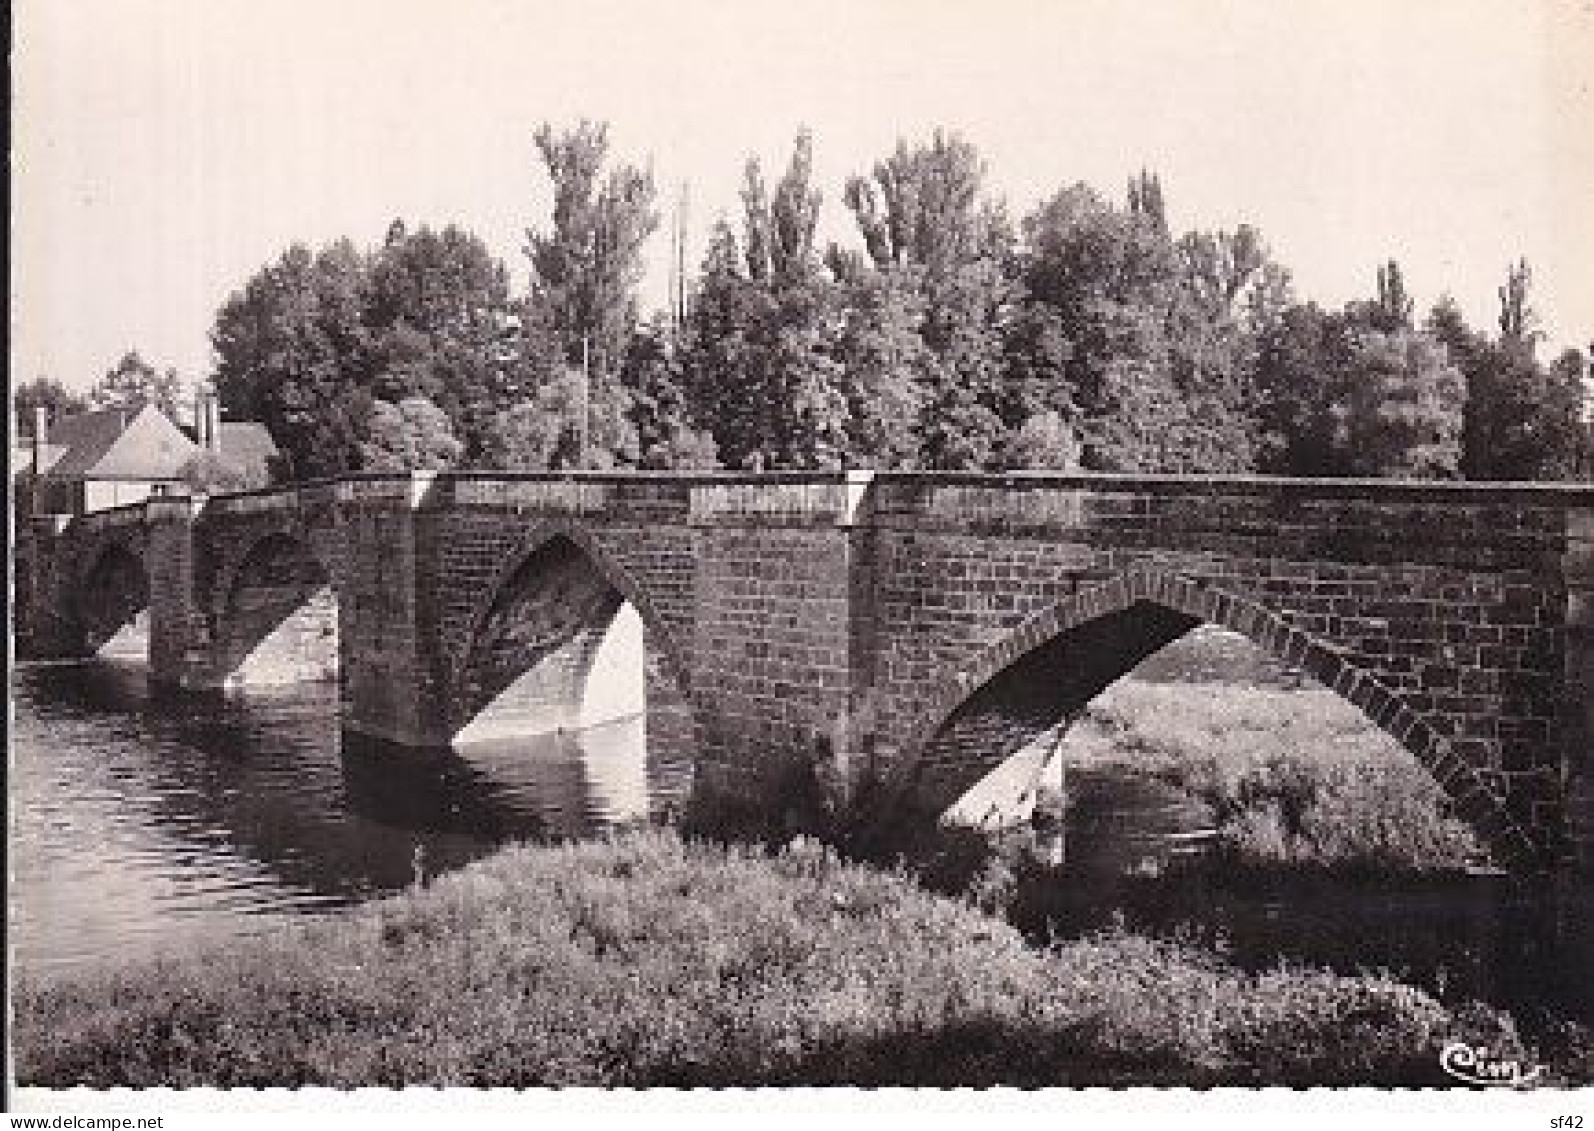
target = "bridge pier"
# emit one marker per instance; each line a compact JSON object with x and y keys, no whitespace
{"x":783,"y":645}
{"x":178,"y":638}
{"x":393,"y":674}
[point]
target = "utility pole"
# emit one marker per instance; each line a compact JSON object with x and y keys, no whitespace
{"x":680,"y":259}
{"x":678,"y":263}
{"x":586,"y":401}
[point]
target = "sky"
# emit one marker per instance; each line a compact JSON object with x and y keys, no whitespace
{"x":165,"y":150}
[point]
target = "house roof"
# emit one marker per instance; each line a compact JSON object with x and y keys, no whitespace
{"x":113,"y":444}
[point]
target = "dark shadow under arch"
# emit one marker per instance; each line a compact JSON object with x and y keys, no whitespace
{"x":1054,"y":663}
{"x":275,"y":583}
{"x":224,"y":581}
{"x":111,"y":594}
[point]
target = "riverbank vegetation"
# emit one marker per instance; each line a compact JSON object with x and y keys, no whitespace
{"x":649,"y":961}
{"x":1294,"y":778}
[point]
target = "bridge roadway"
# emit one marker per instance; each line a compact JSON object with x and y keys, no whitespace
{"x":885,"y":636}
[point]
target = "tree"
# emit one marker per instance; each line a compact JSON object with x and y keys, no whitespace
{"x":805,"y":379}
{"x":1522,"y":420}
{"x":132,"y":383}
{"x":668,"y":437}
{"x":443,"y":326}
{"x":1344,"y":396}
{"x":1518,"y":321}
{"x":545,"y":432}
{"x":722,"y":363}
{"x":1146,"y":202}
{"x":1144,"y":339}
{"x":293,"y":352}
{"x":761,"y":361}
{"x":412,"y":435}
{"x":1299,"y":370}
{"x":42,"y":392}
{"x":587,"y":269}
{"x":1403,"y":412}
{"x":924,"y":206}
{"x":1045,"y":441}
{"x":885,"y":367}
{"x":589,"y":265}
{"x":1393,"y":308}
{"x":1572,"y":378}
{"x":925,"y":219}
{"x":213,"y":472}
{"x":799,"y":372}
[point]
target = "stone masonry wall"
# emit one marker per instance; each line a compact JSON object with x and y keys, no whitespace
{"x":1578,"y":567}
{"x":825,"y":616}
{"x":1440,"y":612}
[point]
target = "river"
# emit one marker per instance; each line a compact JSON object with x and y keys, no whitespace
{"x":143,"y":827}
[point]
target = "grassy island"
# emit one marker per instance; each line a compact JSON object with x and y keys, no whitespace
{"x":651,"y":961}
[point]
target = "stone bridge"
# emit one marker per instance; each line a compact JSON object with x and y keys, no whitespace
{"x":905,"y":631}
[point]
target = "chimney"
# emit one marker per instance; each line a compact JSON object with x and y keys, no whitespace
{"x":200,"y":419}
{"x":41,"y":430}
{"x":212,"y":422}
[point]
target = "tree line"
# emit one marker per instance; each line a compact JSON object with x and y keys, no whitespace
{"x":1087,"y":334}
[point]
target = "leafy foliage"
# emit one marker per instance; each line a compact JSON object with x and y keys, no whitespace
{"x":1044,"y":441}
{"x":1522,"y":419}
{"x":132,"y":383}
{"x":214,"y":472}
{"x":294,"y":352}
{"x":412,"y":435}
{"x":1295,"y":777}
{"x":954,"y":339}
{"x":651,"y":962}
{"x":443,"y":327}
{"x":55,"y":398}
{"x":545,"y":432}
{"x":589,"y":265}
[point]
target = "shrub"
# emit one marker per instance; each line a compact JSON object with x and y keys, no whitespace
{"x":1296,"y":777}
{"x":214,"y":473}
{"x":650,"y":961}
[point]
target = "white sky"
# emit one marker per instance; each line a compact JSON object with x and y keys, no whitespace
{"x":166,"y":149}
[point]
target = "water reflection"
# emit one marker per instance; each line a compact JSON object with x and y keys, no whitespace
{"x":144,"y":825}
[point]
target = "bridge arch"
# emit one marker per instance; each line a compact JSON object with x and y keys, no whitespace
{"x":110,"y":603}
{"x":1049,"y":667}
{"x":554,"y":604}
{"x":273,"y":613}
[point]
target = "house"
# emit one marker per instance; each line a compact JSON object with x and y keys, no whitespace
{"x":113,"y":457}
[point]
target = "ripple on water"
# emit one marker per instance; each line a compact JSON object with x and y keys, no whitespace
{"x":144,"y":828}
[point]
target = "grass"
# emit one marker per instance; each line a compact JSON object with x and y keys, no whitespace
{"x":1294,"y":777}
{"x":653,"y":961}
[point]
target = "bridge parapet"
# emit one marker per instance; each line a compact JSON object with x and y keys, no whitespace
{"x":834,"y":500}
{"x":256,"y":502}
{"x":1372,"y":519}
{"x":113,"y":518}
{"x":553,"y":496}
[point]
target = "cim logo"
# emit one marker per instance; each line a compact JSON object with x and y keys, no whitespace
{"x":1477,"y":1065}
